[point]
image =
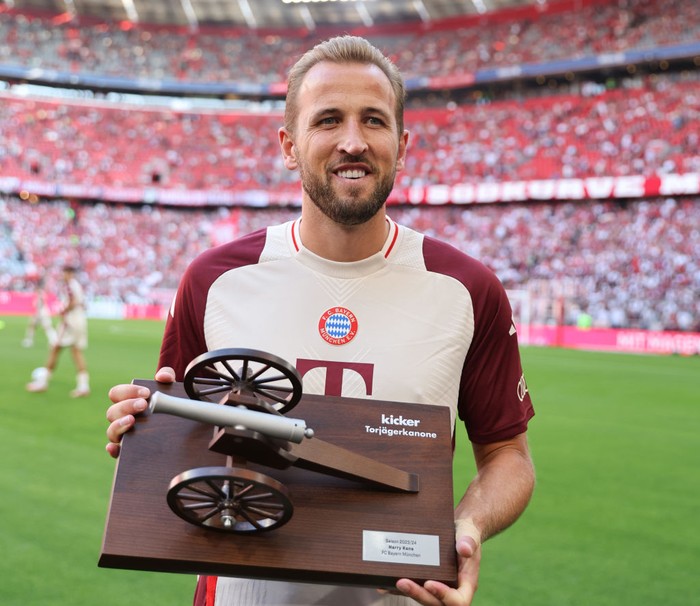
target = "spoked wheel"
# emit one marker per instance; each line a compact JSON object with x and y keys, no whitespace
{"x":230,"y":499}
{"x":269,"y":379}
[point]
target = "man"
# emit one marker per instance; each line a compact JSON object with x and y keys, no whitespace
{"x":40,"y":317}
{"x":72,"y":332}
{"x":422,"y":322}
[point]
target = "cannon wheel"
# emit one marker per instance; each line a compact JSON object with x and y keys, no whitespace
{"x":230,"y":499}
{"x":269,"y":379}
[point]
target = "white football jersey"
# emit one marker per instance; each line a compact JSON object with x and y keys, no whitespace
{"x":417,"y":322}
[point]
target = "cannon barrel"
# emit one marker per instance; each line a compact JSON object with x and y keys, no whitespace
{"x":270,"y":425}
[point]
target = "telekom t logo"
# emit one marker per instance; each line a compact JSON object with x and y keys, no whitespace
{"x":334,"y":374}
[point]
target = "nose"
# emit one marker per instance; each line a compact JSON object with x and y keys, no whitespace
{"x":352,"y":140}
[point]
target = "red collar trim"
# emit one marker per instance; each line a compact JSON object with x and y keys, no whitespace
{"x":392,"y":225}
{"x":295,"y":226}
{"x":393,"y":238}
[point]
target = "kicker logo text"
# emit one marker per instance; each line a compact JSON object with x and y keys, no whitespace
{"x":392,"y":420}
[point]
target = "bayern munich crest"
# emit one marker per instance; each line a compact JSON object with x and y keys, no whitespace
{"x":337,"y":326}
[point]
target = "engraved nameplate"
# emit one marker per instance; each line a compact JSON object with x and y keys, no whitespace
{"x":401,"y":548}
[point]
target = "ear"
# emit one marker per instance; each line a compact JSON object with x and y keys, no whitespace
{"x":287,"y":147}
{"x":403,"y":145}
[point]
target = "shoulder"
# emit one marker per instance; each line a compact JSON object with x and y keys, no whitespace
{"x":214,"y":262}
{"x":241,"y":251}
{"x":481,"y":285}
{"x":443,"y":258}
{"x":253,"y":249}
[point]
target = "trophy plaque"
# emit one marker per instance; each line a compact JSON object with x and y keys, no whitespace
{"x":350,"y":491}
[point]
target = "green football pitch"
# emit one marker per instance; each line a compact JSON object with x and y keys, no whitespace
{"x":614,"y":519}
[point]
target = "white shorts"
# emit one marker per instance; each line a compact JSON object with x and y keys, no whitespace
{"x":72,"y":330}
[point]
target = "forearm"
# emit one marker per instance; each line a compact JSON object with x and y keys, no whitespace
{"x":501,"y":489}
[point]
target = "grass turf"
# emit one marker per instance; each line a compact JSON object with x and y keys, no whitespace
{"x":614,"y":519}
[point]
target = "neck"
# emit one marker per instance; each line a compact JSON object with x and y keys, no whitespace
{"x":344,"y":243}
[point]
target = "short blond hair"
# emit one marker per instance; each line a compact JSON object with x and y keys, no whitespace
{"x":343,"y":49}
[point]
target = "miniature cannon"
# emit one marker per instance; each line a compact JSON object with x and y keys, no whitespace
{"x":254,"y":390}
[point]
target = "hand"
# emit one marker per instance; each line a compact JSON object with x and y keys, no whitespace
{"x":129,"y":400}
{"x":434,"y":593}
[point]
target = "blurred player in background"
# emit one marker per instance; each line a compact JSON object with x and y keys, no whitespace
{"x":41,"y":317}
{"x":72,"y":332}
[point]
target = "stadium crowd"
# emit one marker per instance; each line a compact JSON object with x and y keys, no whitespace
{"x":622,"y":263}
{"x":648,"y":126}
{"x":643,"y":126}
{"x":625,"y":264}
{"x":225,"y":55}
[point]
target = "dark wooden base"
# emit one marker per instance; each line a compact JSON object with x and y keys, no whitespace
{"x":323,"y":542}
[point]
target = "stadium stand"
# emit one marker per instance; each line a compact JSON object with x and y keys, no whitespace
{"x":224,"y":55}
{"x":627,"y":264}
{"x":647,"y":126}
{"x":94,"y":176}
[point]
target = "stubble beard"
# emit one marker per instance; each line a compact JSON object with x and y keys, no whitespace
{"x":351,"y":210}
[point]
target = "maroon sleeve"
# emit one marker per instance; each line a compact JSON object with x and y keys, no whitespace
{"x":184,"y":337}
{"x":184,"y":328}
{"x":493,"y":399}
{"x":494,"y":402}
{"x":200,"y":592}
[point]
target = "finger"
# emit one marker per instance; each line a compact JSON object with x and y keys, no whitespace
{"x":118,"y":393}
{"x":466,"y":546}
{"x":165,"y":375}
{"x":434,"y":593}
{"x":417,"y":593}
{"x":119,"y":427}
{"x":448,"y":595}
{"x":113,"y":449}
{"x":468,"y":537}
{"x":131,"y":406}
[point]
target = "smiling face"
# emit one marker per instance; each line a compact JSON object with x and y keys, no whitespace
{"x":345,"y":141}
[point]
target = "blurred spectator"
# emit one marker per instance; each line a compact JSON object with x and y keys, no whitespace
{"x":646,"y":127}
{"x":454,"y":48}
{"x":633,"y":264}
{"x":626,"y":264}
